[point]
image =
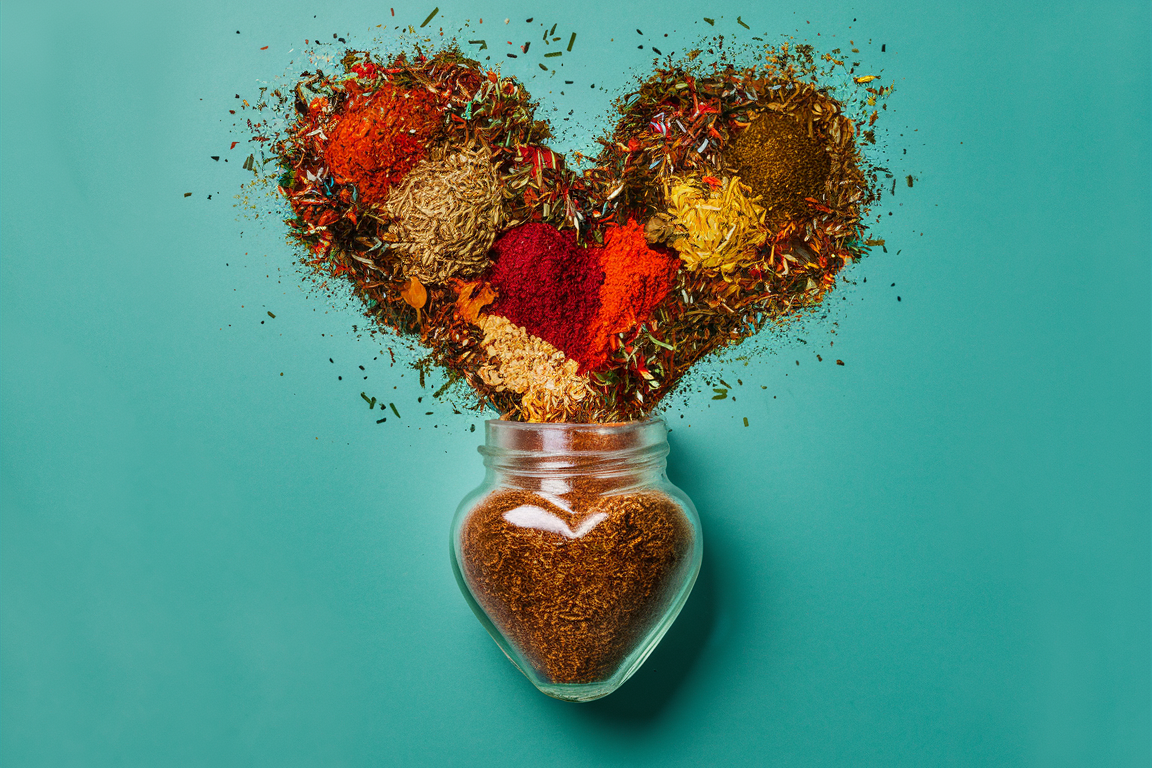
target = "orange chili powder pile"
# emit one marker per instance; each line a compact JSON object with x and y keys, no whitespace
{"x":636,"y":279}
{"x":379,"y":137}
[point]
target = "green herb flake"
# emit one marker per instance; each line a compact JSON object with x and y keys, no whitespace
{"x":431,"y":16}
{"x":393,"y":407}
{"x":711,"y":22}
{"x":571,"y":40}
{"x":740,"y":21}
{"x":561,"y":53}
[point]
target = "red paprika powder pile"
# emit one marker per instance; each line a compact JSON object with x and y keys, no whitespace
{"x":548,"y":285}
{"x":379,"y":137}
{"x":576,"y":298}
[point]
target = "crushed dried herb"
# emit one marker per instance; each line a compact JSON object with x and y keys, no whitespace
{"x":575,"y":589}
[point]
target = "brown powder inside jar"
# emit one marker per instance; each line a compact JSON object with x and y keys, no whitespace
{"x":575,"y":591}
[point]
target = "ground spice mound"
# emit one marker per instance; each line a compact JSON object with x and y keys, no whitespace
{"x":521,"y":363}
{"x":636,"y":279}
{"x":550,"y":286}
{"x":446,"y":214}
{"x":378,"y":138}
{"x":575,"y":591}
{"x":782,"y":163}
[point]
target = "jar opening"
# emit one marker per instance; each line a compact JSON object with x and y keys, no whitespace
{"x":522,"y":446}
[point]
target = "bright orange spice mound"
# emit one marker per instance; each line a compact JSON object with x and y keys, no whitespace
{"x":379,"y":137}
{"x":636,"y":279}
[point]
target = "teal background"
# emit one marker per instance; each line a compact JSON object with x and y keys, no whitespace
{"x":937,"y":554}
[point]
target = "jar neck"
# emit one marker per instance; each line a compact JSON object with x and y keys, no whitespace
{"x":539,"y":456}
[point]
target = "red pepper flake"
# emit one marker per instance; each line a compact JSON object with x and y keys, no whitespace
{"x":376,"y":142}
{"x":264,"y":48}
{"x":233,"y":145}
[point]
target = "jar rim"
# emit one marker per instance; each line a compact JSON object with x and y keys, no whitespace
{"x":580,"y":425}
{"x":562,"y":441}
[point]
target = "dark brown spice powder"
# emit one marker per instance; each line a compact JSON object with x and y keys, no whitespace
{"x":575,"y":607}
{"x":781,"y":161}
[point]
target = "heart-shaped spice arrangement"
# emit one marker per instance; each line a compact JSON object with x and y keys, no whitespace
{"x":724,"y":199}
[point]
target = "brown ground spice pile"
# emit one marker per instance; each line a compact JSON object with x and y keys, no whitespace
{"x":782,"y":164}
{"x":574,"y":591}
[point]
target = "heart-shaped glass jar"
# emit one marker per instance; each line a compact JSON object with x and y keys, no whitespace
{"x":576,"y":552}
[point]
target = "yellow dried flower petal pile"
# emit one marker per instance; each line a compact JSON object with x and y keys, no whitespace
{"x":529,"y":366}
{"x":446,"y":213}
{"x":715,"y":228}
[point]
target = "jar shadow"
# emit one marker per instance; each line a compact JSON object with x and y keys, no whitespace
{"x":650,"y":690}
{"x":653,"y":686}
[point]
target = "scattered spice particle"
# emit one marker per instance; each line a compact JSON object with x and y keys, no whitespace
{"x":745,"y":421}
{"x":571,"y":40}
{"x":839,"y":362}
{"x":187,"y":194}
{"x":711,"y":22}
{"x":431,"y":16}
{"x":740,"y":21}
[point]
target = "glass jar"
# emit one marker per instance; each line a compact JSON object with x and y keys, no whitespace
{"x":576,"y":552}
